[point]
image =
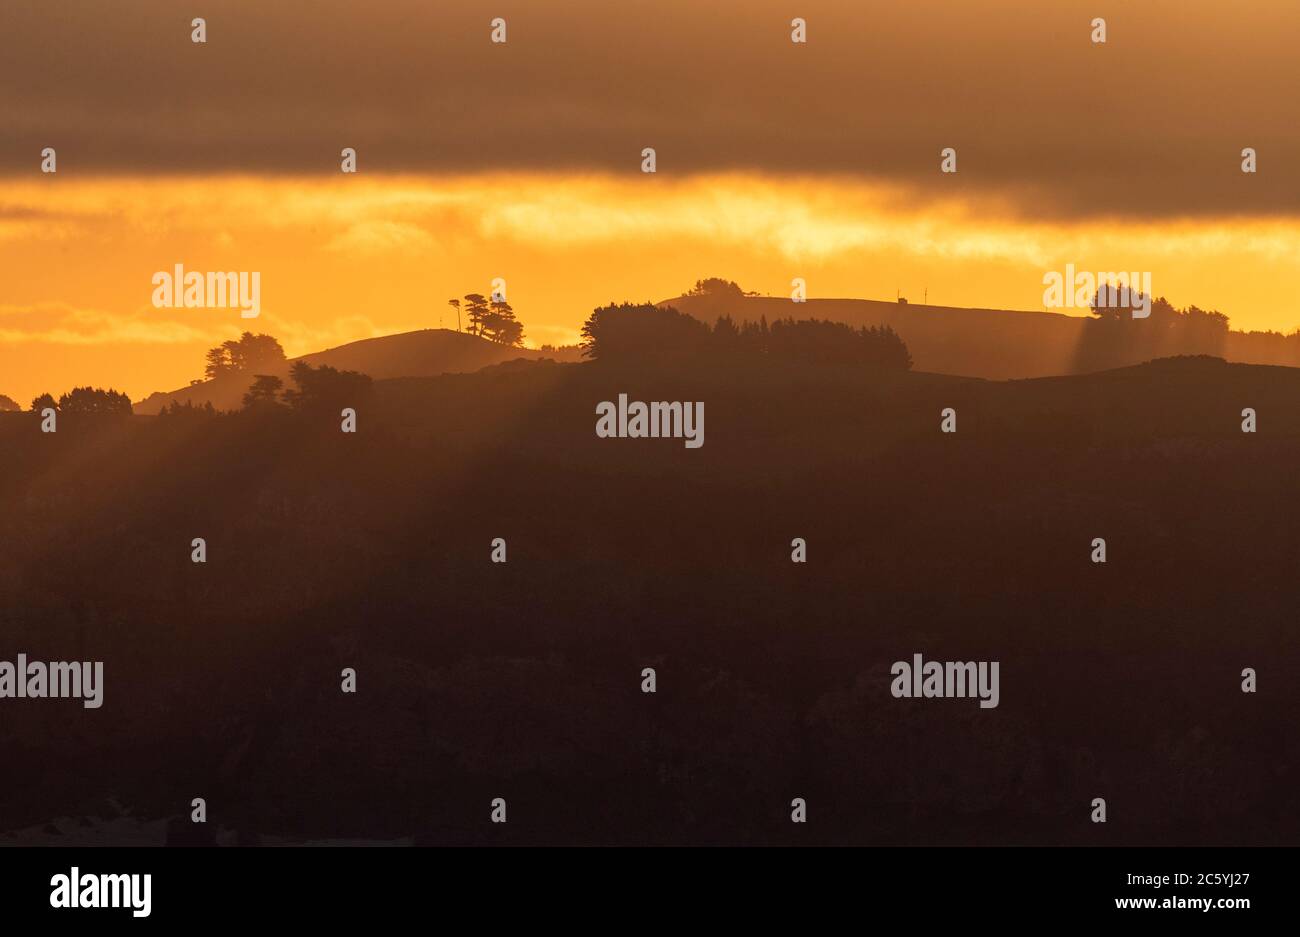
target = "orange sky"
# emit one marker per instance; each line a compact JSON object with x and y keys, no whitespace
{"x":522,"y":161}
{"x":348,"y":258}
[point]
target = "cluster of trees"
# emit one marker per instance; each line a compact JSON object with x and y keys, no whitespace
{"x":1112,"y":304}
{"x":86,"y":400}
{"x":630,"y":331}
{"x":1114,"y":337}
{"x":716,"y":286}
{"x":249,"y":353}
{"x":493,"y":319}
{"x":188,"y":410}
{"x":817,"y":341}
{"x":322,"y":388}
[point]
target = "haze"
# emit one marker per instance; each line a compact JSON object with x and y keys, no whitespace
{"x":522,"y":161}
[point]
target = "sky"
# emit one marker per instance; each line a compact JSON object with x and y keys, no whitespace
{"x":522,"y":160}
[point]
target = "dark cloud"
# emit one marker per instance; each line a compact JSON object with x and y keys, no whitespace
{"x":1152,"y":123}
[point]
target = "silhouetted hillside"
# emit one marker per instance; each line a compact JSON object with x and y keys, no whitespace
{"x":424,"y":353}
{"x":996,"y":343}
{"x":522,"y":680}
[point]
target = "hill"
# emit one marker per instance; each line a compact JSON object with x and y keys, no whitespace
{"x":999,"y":344}
{"x":372,"y":551}
{"x":423,"y":353}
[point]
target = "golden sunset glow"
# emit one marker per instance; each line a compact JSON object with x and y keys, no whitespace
{"x":521,"y":160}
{"x":354,"y":258}
{"x":356,"y":485}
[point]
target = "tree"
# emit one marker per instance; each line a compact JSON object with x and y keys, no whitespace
{"x":95,"y":401}
{"x":725,"y":333}
{"x":641,"y":331}
{"x":510,"y":333}
{"x":43,"y":402}
{"x":754,"y":335}
{"x":1211,"y":324}
{"x":176,"y":411}
{"x":492,"y":319}
{"x":254,"y":352}
{"x":716,"y":286}
{"x":218,"y":363}
{"x":251,"y":352}
{"x":325,"y":388}
{"x":1118,"y":302}
{"x":476,"y":310}
{"x":8,"y":403}
{"x":501,"y":326}
{"x":885,"y":349}
{"x":817,"y":342}
{"x":1114,"y":337}
{"x":264,"y":392}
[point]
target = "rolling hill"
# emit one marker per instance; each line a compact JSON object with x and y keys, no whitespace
{"x":371,"y":551}
{"x":999,"y":344}
{"x":423,"y":353}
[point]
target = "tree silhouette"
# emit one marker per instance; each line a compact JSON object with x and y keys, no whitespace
{"x":628,"y":331}
{"x":649,"y":332}
{"x":716,"y":286}
{"x":264,"y":392}
{"x":476,"y":310}
{"x":217,"y":363}
{"x":1118,"y":302}
{"x":257,"y":351}
{"x":501,"y":326}
{"x":249,"y":353}
{"x":176,"y":411}
{"x":492,"y":319}
{"x":94,"y":401}
{"x":1115,"y":338}
{"x":754,"y":336}
{"x":325,"y":388}
{"x":8,"y":403}
{"x":819,"y":342}
{"x":725,"y":333}
{"x":44,"y":401}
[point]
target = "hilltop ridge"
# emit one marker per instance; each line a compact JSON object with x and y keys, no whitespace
{"x":422,"y":353}
{"x":999,"y":344}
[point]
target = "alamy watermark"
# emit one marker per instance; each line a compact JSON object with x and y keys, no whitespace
{"x":194,"y":290}
{"x":935,"y":679}
{"x":1083,"y":290}
{"x":657,"y":419}
{"x":83,"y":680}
{"x":78,"y":890}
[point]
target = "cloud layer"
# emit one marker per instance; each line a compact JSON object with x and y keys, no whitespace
{"x":1150,"y":124}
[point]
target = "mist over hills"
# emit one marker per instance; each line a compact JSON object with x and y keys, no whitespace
{"x":422,"y":353}
{"x":997,"y":343}
{"x":371,"y":551}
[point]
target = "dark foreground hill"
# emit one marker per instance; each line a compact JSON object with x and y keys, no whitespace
{"x":1000,"y":344}
{"x":423,"y":353}
{"x":523,"y":680}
